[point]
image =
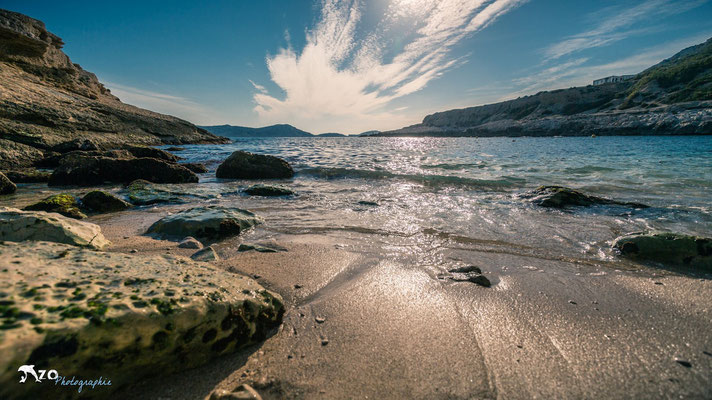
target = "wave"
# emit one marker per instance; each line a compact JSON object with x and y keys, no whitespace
{"x":453,"y":166}
{"x":427,"y":180}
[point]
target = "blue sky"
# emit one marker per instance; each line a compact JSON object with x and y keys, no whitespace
{"x":352,"y":66}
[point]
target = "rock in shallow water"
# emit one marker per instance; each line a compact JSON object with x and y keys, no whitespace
{"x":268,"y":191}
{"x":123,"y":317}
{"x":19,"y":226}
{"x":141,"y":192}
{"x":562,"y":197}
{"x":244,"y":165}
{"x":6,"y":185}
{"x":100,"y":201}
{"x":211,"y":222}
{"x":667,"y":248}
{"x":63,"y":203}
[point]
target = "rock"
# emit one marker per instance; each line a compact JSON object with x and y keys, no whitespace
{"x":207,"y":254}
{"x":367,"y":203}
{"x":28,"y":176}
{"x":667,"y":248}
{"x":210,"y":222}
{"x":74,"y":145}
{"x":320,"y":320}
{"x":63,"y":203}
{"x":6,"y":185}
{"x":244,"y":165}
{"x":100,"y":201}
{"x":268,"y":191}
{"x":242,"y":392}
{"x":125,"y":317}
{"x":469,"y":268}
{"x":84,"y":170}
{"x":174,"y":148}
{"x":19,"y":226}
{"x":473,"y":277}
{"x":190,"y":243}
{"x":198,"y":168}
{"x":562,"y":197}
{"x":142,"y":192}
{"x":18,"y":155}
{"x":256,"y":247}
{"x":151,"y":152}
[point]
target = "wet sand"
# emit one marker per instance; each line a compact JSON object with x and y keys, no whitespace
{"x":372,"y":323}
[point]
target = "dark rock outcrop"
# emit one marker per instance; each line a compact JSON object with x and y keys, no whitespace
{"x":6,"y":185}
{"x":75,"y":145}
{"x":103,"y":202}
{"x":28,"y":176}
{"x":268,"y":191}
{"x":49,"y":102}
{"x":151,"y":152}
{"x":198,"y":168}
{"x":64,"y":204}
{"x":562,"y":197}
{"x":82,"y":170}
{"x":244,"y":165}
{"x":667,"y":248}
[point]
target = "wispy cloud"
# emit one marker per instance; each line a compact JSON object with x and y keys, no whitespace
{"x":346,"y":76}
{"x":617,"y":23}
{"x":164,"y":103}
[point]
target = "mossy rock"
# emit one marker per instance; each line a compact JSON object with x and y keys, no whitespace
{"x":141,"y":192}
{"x":125,"y":317}
{"x":29,"y":176}
{"x":63,"y":203}
{"x":211,"y":222}
{"x":100,"y":201}
{"x":268,"y":191}
{"x":667,"y":248}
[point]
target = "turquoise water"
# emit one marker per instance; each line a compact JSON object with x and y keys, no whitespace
{"x":443,"y":193}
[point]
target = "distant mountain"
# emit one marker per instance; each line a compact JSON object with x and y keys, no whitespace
{"x":281,"y":130}
{"x":331,"y":134}
{"x":369,"y":133}
{"x":672,"y":97}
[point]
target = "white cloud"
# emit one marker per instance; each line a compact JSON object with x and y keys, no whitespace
{"x":164,"y":103}
{"x":616,"y":25}
{"x":343,"y":80}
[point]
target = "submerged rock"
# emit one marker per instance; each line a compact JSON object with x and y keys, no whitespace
{"x":142,"y":192}
{"x":207,"y":254}
{"x":268,"y":191}
{"x":562,"y":197}
{"x":100,"y":201}
{"x":211,"y":222}
{"x":190,"y":243}
{"x":198,"y":168}
{"x":28,"y":176}
{"x":63,"y":203}
{"x":125,"y":317}
{"x":19,"y":226}
{"x":82,"y":170}
{"x":667,"y":248}
{"x":244,"y":165}
{"x":6,"y":185}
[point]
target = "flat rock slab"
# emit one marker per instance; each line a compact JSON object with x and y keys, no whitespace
{"x":667,"y":248}
{"x":211,"y":222}
{"x":18,"y":226}
{"x":563,"y":197}
{"x":119,"y":316}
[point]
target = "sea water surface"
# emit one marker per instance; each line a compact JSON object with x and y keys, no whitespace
{"x":426,"y":197}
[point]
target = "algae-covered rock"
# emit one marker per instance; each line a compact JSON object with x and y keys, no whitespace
{"x":101,"y":201}
{"x":562,"y":197}
{"x":28,"y":176}
{"x":141,"y":192}
{"x":6,"y":185}
{"x":63,"y":203}
{"x":667,"y":248}
{"x":268,"y":191}
{"x":122,"y":317}
{"x":211,"y":222}
{"x":244,"y":165}
{"x":19,"y":226}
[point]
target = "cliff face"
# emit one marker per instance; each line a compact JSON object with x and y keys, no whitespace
{"x":673,"y":97}
{"x":45,"y":100}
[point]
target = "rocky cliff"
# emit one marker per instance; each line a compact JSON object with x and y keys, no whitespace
{"x":46,"y":100}
{"x":672,"y":97}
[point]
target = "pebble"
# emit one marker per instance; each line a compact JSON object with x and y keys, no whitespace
{"x":684,"y":363}
{"x":464,"y":270}
{"x":298,"y":286}
{"x":572,"y":302}
{"x":324,"y":341}
{"x":319,"y":320}
{"x":257,"y":276}
{"x":133,"y":251}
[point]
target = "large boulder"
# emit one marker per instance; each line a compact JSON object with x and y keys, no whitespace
{"x":562,"y":197}
{"x":268,"y":191}
{"x":667,"y":248}
{"x":28,"y":176}
{"x":102,"y":202}
{"x":19,"y":226}
{"x":122,"y":317}
{"x":6,"y":185}
{"x":212,"y":222}
{"x":244,"y":165}
{"x":82,"y":170}
{"x":63,"y":203}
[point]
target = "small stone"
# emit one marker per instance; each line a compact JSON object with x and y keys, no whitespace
{"x":133,"y":251}
{"x":684,"y":363}
{"x":257,"y":276}
{"x":658,"y":283}
{"x":572,"y":302}
{"x":473,"y":277}
{"x":297,"y":286}
{"x":320,"y":320}
{"x":190,"y":243}
{"x":206,"y":254}
{"x":324,"y":341}
{"x":464,"y":270}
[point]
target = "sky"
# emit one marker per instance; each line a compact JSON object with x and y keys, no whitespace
{"x":358,"y":65}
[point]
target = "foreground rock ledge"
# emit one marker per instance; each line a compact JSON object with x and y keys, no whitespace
{"x":119,"y":316}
